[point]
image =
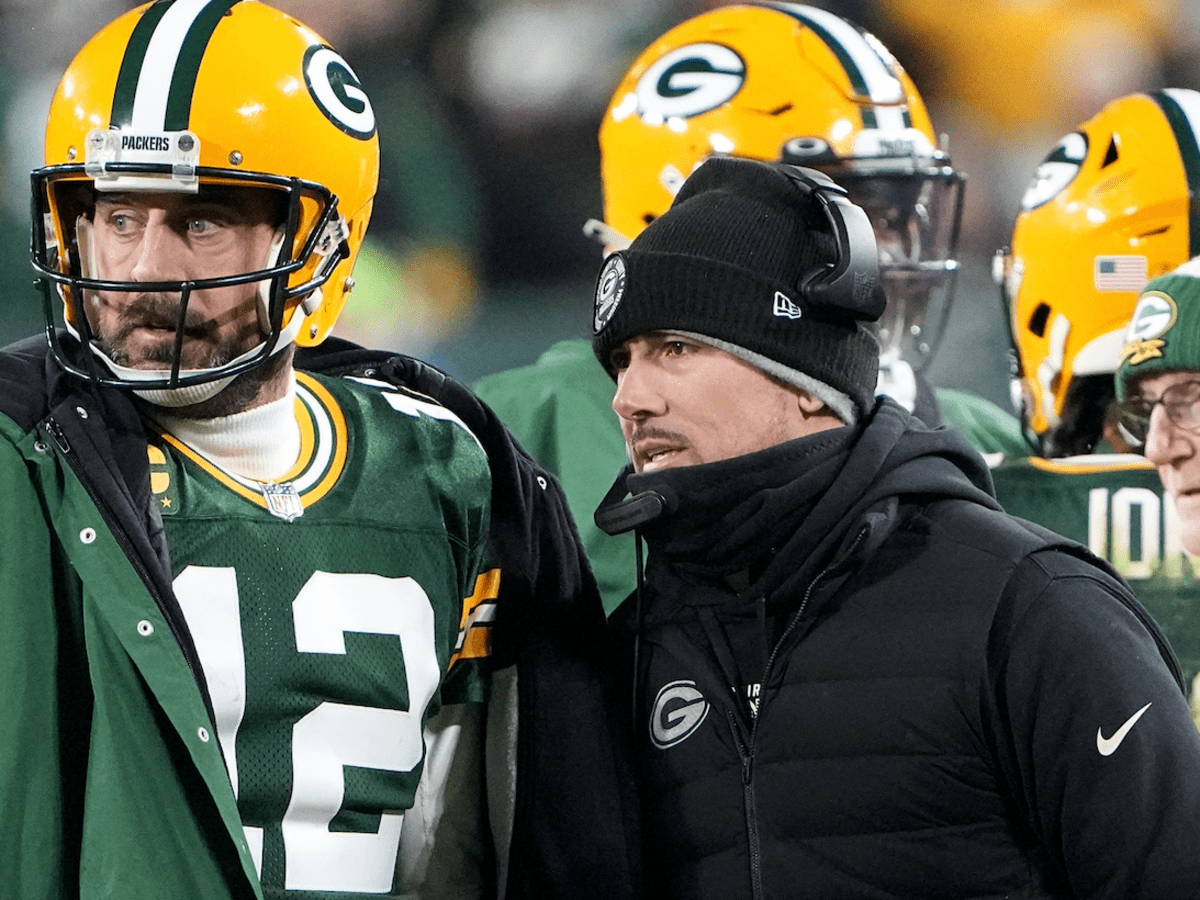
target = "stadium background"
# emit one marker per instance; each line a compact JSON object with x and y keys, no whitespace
{"x":488,"y":112}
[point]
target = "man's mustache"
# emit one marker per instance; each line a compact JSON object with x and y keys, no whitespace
{"x":152,"y":310}
{"x":159,"y":310}
{"x":642,"y":432}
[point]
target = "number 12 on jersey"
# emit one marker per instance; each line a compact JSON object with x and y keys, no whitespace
{"x":333,"y":735}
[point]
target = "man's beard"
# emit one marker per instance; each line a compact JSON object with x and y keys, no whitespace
{"x":162,"y":311}
{"x":246,"y":391}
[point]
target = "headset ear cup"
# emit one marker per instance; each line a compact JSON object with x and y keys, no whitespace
{"x":851,"y":284}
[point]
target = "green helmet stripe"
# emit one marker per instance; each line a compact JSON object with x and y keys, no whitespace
{"x":853,"y":72}
{"x":870,"y":74}
{"x":1182,"y":124}
{"x":158,"y":73}
{"x":183,"y":82}
{"x":131,"y":65}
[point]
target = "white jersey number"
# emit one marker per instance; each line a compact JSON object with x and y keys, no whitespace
{"x":333,"y":735}
{"x":1145,"y":532}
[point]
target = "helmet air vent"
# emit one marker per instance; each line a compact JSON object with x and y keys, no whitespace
{"x":1037,"y":322}
{"x":1112,"y":154}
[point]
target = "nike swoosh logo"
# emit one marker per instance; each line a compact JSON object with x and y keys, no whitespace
{"x":1108,"y":746}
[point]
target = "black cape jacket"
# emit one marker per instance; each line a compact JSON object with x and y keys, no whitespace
{"x":573,"y":823}
{"x":856,"y":677}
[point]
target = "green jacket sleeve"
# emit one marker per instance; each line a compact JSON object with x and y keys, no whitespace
{"x":41,"y":764}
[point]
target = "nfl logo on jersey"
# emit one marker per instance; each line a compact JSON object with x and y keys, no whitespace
{"x":283,"y":501}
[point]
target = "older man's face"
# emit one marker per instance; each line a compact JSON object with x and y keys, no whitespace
{"x":682,"y":403}
{"x":1175,"y":451}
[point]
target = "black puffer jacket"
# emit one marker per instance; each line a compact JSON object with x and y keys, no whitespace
{"x":857,"y":678}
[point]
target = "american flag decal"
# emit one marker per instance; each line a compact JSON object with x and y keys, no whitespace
{"x":1120,"y":273}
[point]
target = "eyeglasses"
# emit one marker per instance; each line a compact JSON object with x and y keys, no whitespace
{"x":1181,"y":402}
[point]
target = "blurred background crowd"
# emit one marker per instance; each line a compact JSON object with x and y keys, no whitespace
{"x":488,"y":112}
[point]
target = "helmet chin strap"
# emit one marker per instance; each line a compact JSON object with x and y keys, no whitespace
{"x":188,"y":395}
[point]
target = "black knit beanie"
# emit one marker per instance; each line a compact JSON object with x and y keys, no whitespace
{"x":728,"y":264}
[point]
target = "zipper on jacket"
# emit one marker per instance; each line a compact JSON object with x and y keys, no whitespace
{"x":52,"y":428}
{"x":749,"y":806}
{"x":747,"y":751}
{"x":794,"y":621}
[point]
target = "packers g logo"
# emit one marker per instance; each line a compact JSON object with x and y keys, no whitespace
{"x":689,"y":81}
{"x":679,"y":709}
{"x":337,"y":92}
{"x":1056,"y":171}
{"x":609,"y":291}
{"x":1153,"y":316}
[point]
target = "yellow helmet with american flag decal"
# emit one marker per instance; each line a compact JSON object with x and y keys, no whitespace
{"x":782,"y":81}
{"x":1110,"y":207}
{"x":181,"y":93}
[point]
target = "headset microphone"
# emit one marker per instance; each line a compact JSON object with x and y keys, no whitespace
{"x":616,"y":516}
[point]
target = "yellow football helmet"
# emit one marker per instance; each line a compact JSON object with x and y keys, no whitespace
{"x":792,"y":83}
{"x":175,"y":95}
{"x":1109,"y":208}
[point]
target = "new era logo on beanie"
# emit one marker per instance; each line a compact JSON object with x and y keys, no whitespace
{"x":765,"y":260}
{"x":1164,"y":333}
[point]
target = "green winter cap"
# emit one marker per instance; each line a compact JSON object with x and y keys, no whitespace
{"x":1164,"y":334}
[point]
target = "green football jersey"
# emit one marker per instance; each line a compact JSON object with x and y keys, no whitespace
{"x":1114,"y":504}
{"x":327,"y":610}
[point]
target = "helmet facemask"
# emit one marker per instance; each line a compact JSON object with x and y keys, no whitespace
{"x":287,"y":281}
{"x":915,"y":216}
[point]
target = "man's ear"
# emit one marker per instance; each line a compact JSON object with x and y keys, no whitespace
{"x":810,"y":405}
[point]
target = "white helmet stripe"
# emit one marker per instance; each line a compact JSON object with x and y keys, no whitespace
{"x":162,"y":55}
{"x":162,"y":58}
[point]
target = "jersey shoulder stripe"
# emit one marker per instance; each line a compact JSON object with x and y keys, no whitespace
{"x":1091,"y":463}
{"x":414,"y":404}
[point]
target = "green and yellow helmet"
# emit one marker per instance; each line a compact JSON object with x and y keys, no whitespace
{"x":792,"y":83}
{"x":178,"y":94}
{"x":1109,"y":208}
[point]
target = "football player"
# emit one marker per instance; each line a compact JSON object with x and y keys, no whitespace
{"x":1110,"y":207}
{"x":255,"y":599}
{"x":768,"y":81}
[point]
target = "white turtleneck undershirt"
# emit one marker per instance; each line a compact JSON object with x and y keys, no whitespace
{"x":262,"y":443}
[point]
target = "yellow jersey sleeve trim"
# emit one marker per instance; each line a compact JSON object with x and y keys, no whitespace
{"x":478,"y":613}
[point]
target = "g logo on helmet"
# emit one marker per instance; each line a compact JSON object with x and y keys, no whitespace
{"x":679,"y":709}
{"x":689,"y":81}
{"x":1056,"y":171}
{"x":337,"y":92}
{"x":1152,"y":318}
{"x":609,"y":291}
